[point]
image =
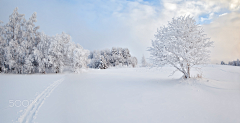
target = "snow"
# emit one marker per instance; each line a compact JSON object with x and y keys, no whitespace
{"x":123,"y":95}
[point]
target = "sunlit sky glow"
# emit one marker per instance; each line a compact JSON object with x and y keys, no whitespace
{"x":101,"y":24}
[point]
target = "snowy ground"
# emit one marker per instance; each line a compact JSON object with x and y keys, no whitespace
{"x":123,"y":95}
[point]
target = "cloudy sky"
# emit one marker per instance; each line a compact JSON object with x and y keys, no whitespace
{"x":101,"y":24}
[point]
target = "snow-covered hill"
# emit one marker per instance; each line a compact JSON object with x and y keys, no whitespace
{"x":122,"y":95}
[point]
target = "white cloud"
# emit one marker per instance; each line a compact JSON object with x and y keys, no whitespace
{"x":98,"y":24}
{"x":170,"y":6}
{"x":232,"y":5}
{"x":143,"y":21}
{"x":223,"y":14}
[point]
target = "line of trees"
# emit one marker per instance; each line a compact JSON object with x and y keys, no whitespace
{"x":25,"y":50}
{"x":233,"y":63}
{"x":111,"y":58}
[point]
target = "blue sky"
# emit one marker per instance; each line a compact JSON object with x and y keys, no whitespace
{"x":100,"y":24}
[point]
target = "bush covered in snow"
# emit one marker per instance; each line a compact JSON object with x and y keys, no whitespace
{"x":25,"y":50}
{"x":111,"y":58}
{"x":182,"y":44}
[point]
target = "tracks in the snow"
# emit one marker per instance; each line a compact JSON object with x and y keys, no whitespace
{"x":31,"y":111}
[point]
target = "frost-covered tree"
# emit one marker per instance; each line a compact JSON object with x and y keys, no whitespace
{"x":28,"y":66}
{"x":56,"y":51}
{"x":182,"y":44}
{"x":110,"y":58}
{"x":79,"y":58}
{"x":42,"y":53}
{"x":134,"y":61}
{"x":222,"y":63}
{"x":63,"y":52}
{"x":25,"y":50}
{"x":234,"y":63}
{"x":237,"y":62}
{"x":144,"y":62}
{"x":2,"y":43}
{"x":18,"y":39}
{"x":13,"y":36}
{"x":95,"y":57}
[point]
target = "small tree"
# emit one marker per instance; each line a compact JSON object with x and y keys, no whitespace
{"x":238,"y":62}
{"x":28,"y":65}
{"x":182,"y":44}
{"x":144,"y":63}
{"x":222,"y":63}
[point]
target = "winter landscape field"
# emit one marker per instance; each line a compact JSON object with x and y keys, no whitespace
{"x":123,"y":95}
{"x":119,"y":61}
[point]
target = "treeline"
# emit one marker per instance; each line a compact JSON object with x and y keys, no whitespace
{"x":233,"y":63}
{"x":111,"y":58}
{"x":24,"y":50}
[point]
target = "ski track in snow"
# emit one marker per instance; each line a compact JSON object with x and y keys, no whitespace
{"x":228,"y":71}
{"x":31,"y":111}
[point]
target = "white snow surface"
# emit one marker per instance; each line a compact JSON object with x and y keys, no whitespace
{"x":122,"y":95}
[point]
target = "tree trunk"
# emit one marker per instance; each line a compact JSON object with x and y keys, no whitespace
{"x":187,"y":74}
{"x":188,"y":71}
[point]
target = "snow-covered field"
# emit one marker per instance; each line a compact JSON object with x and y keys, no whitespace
{"x":122,"y":95}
